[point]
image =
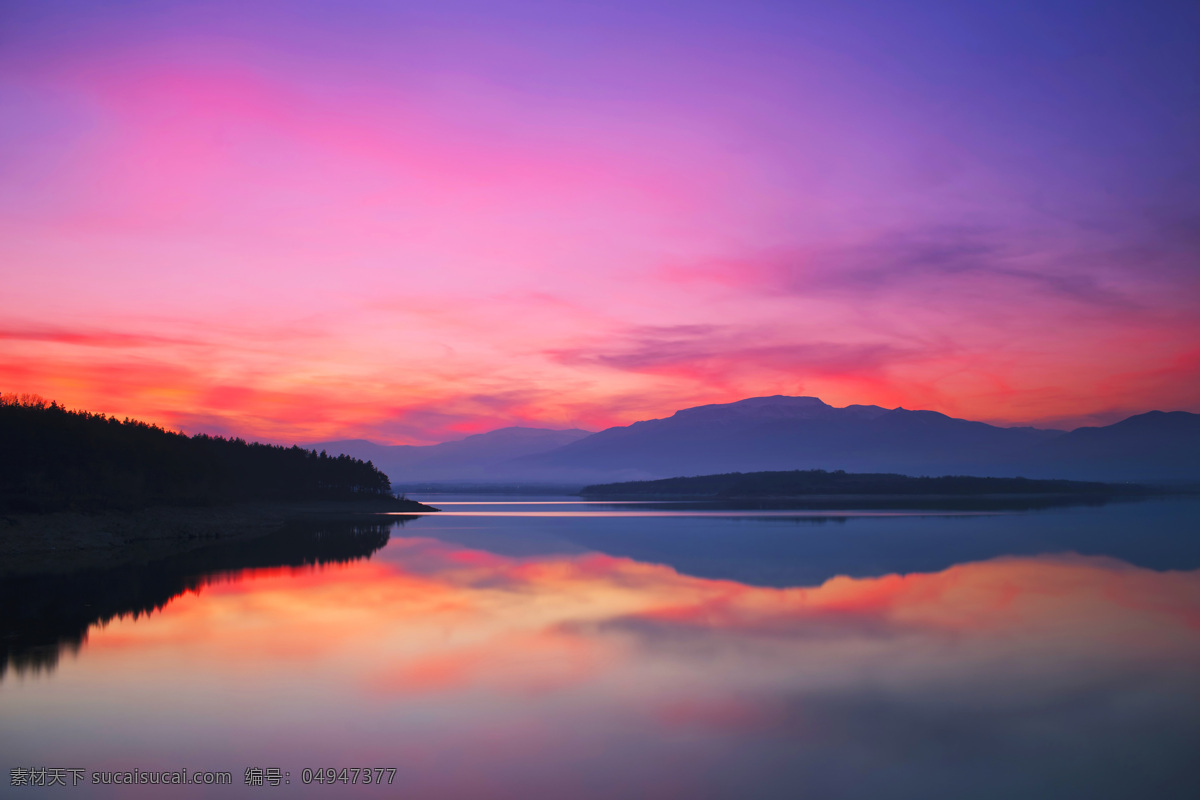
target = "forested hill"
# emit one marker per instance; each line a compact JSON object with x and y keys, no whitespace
{"x":54,"y":459}
{"x":800,"y":483}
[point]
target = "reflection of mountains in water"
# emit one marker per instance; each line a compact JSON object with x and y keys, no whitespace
{"x":810,"y":548}
{"x":785,"y":551}
{"x":42,"y":616}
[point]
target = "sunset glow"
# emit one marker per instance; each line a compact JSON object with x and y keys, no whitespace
{"x":410,"y":222}
{"x":429,"y":625}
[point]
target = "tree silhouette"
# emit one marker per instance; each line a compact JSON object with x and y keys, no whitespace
{"x":55,"y":459}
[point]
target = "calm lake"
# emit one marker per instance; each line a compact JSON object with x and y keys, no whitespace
{"x":559,"y":649}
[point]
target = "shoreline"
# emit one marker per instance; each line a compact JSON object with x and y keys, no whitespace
{"x":67,"y":541}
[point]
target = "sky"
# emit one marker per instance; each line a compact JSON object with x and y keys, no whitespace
{"x":411,"y":222}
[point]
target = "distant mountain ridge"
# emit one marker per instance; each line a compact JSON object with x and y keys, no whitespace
{"x":803,"y":433}
{"x":785,"y":433}
{"x":477,"y":457}
{"x":1156,"y":445}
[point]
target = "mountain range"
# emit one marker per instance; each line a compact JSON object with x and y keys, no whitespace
{"x":787,"y":433}
{"x":482,"y":457}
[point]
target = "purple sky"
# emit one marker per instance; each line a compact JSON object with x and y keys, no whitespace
{"x":409,"y":222}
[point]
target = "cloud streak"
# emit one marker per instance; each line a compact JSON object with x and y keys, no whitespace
{"x":933,"y":263}
{"x":88,"y":338}
{"x":718,"y":354}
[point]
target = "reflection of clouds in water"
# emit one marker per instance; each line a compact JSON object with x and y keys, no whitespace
{"x":554,"y":672}
{"x":1035,"y":663}
{"x":1006,"y":621}
{"x":1003,"y":658}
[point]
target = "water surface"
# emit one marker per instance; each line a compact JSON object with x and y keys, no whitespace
{"x":593,"y":650}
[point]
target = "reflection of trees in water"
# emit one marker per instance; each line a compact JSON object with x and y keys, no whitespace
{"x":43,"y":616}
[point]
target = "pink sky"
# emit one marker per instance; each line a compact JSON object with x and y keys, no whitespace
{"x":411,"y":225}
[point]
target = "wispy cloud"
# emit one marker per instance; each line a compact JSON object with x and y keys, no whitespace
{"x":88,"y":337}
{"x":936,"y":263}
{"x":719,"y":353}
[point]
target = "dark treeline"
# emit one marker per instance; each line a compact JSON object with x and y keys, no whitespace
{"x":42,"y":616}
{"x":54,"y":459}
{"x":800,"y":483}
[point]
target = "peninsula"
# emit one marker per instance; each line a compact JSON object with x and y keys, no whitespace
{"x":87,"y":489}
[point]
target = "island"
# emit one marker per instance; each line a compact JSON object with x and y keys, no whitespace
{"x":818,"y":484}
